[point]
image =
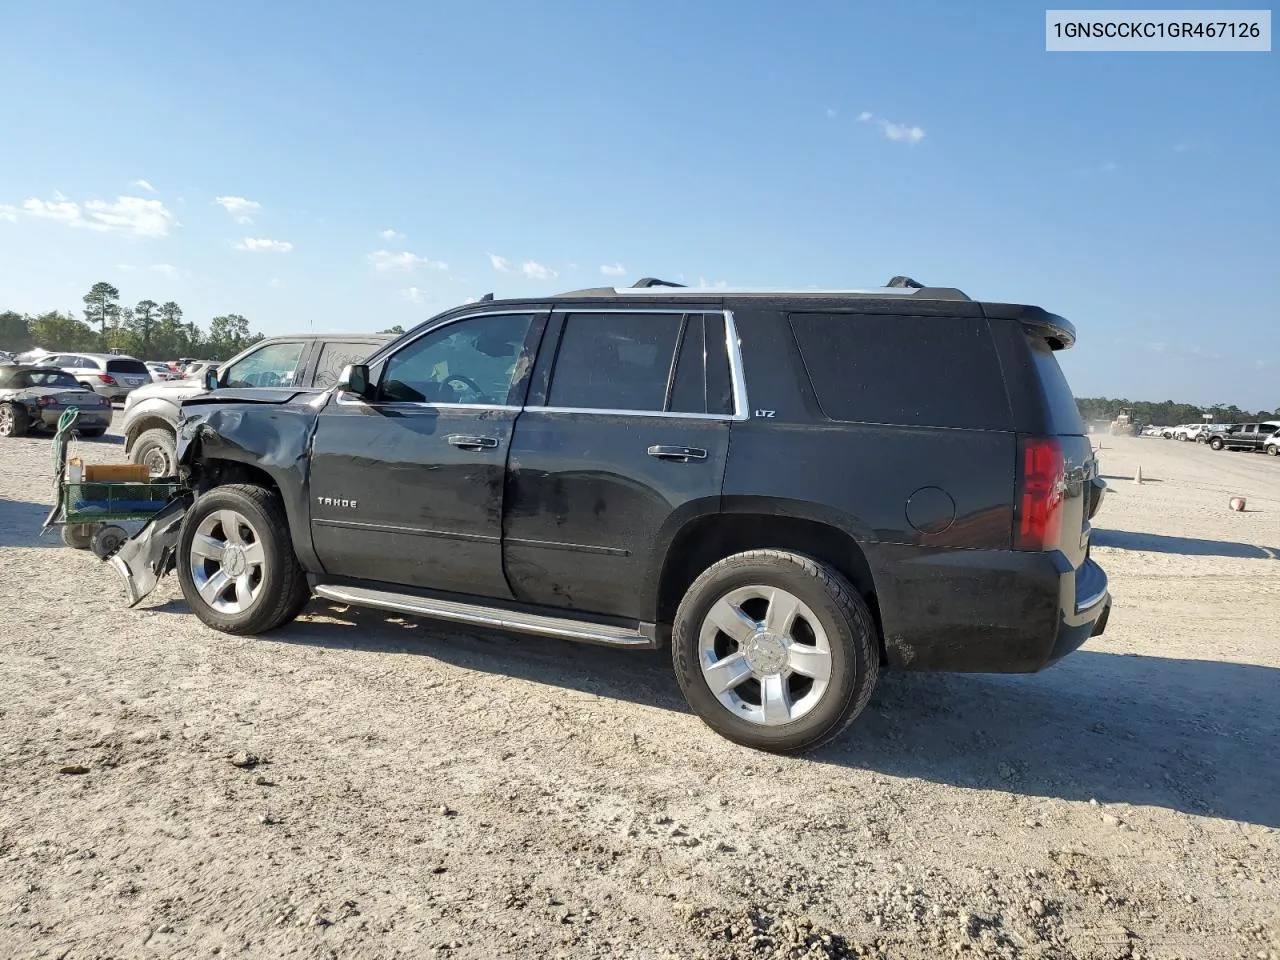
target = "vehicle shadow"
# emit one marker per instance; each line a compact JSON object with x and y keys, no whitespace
{"x":1107,"y":476}
{"x":20,"y":522}
{"x":1197,"y":736}
{"x":1189,"y":546}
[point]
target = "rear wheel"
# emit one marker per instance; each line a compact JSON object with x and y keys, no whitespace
{"x":774,"y":650}
{"x":13,"y":420}
{"x":1216,"y":443}
{"x":155,"y":448}
{"x":236,"y":562}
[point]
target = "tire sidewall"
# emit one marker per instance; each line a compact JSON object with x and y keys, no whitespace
{"x":814,"y":726}
{"x":220,"y":499}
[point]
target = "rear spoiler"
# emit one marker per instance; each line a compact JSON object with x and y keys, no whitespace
{"x":1058,"y":332}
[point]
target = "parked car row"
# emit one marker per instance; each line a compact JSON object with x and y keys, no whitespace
{"x":1261,"y":437}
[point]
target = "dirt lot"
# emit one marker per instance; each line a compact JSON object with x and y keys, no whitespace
{"x":420,"y":791}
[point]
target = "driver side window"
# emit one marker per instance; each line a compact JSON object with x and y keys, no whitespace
{"x":475,"y":361}
{"x":272,"y":366}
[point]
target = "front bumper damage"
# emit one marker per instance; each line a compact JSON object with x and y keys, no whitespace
{"x":152,"y":552}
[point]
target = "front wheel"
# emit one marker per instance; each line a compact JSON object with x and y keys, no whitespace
{"x":1216,"y":443}
{"x":1273,"y":450}
{"x":775,"y":650}
{"x":236,"y":562}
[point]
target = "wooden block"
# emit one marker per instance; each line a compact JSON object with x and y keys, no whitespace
{"x":107,"y":472}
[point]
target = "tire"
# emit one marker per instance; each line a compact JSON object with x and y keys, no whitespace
{"x":91,"y":433}
{"x":157,"y":448}
{"x":249,"y":591}
{"x":1216,"y":443}
{"x":13,"y":420}
{"x":1273,"y":450}
{"x":741,"y":584}
{"x":78,"y":536}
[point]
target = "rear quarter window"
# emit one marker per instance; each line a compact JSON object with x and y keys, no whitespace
{"x":904,"y":370}
{"x":1061,"y":412}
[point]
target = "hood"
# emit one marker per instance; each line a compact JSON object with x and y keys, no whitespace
{"x":175,"y":391}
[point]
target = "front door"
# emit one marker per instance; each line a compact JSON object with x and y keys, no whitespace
{"x":407,"y":484}
{"x":629,"y":443}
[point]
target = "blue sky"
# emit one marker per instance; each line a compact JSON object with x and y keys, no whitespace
{"x":818,"y":143}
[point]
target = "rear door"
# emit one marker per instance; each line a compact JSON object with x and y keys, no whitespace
{"x":628,"y":439}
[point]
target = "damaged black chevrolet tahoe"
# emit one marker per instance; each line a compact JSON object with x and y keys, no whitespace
{"x":794,"y":490}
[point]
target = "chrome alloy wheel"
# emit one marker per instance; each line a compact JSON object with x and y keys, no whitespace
{"x":228,"y":565}
{"x":764,"y":654}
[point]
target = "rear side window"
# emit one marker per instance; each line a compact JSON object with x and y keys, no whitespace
{"x":651,"y":362}
{"x":913,"y":371}
{"x":128,"y":366}
{"x":615,"y":361}
{"x":1059,"y":404}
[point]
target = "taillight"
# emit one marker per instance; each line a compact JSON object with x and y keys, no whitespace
{"x":47,"y":402}
{"x":107,"y":379}
{"x":1042,"y":486}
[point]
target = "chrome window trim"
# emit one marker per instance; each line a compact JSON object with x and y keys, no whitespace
{"x":733,"y":346}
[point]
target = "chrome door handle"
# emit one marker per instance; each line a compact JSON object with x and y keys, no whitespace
{"x":678,"y":454}
{"x":472,"y":443}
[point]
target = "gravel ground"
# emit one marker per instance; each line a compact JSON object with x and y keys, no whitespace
{"x":357,"y":785}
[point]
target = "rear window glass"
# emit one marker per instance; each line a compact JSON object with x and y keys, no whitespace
{"x":1059,"y":404}
{"x":913,"y":371}
{"x":127,"y":366}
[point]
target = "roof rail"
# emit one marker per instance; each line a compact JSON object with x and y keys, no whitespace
{"x":654,"y":282}
{"x":901,"y":281}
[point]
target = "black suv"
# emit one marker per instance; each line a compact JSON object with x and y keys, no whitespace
{"x":793,"y":489}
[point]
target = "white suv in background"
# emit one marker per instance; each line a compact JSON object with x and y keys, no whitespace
{"x":1190,"y":431}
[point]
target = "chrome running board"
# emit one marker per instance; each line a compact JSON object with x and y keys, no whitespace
{"x":494,"y":617}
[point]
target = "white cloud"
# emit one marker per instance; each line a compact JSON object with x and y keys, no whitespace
{"x":613,"y":270}
{"x":143,"y":185}
{"x":384,"y":261}
{"x":901,"y":131}
{"x":413,"y":295}
{"x":59,"y":196}
{"x":63,"y":210}
{"x":501,"y":264}
{"x":241,"y":210}
{"x":904,"y":132}
{"x":390,"y":234}
{"x":536,"y":271}
{"x":132,"y":216}
{"x":261,"y":245}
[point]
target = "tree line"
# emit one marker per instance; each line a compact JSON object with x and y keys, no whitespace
{"x":1167,"y":413}
{"x":147,"y":330}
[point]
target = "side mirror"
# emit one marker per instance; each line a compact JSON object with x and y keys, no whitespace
{"x":355,"y":379}
{"x":211,"y":379}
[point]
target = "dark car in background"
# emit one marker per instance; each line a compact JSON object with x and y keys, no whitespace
{"x":34,"y":397}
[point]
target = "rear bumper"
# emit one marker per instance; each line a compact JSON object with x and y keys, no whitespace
{"x":49,"y":418}
{"x":986,"y":611}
